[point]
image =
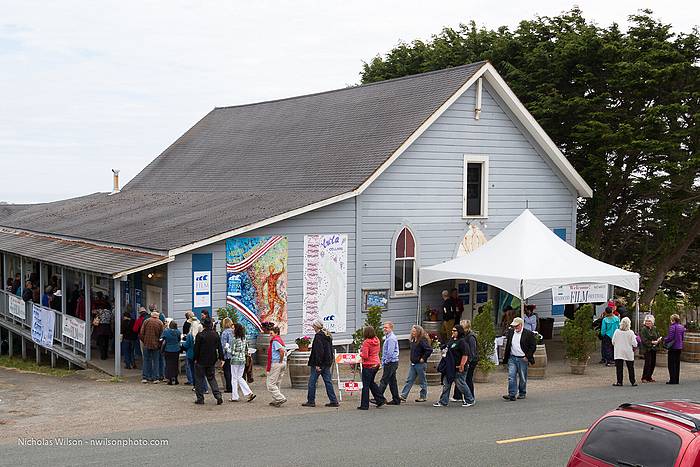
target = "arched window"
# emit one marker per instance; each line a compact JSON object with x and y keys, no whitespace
{"x":405,"y":263}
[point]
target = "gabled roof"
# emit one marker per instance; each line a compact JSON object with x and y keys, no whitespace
{"x":246,"y":166}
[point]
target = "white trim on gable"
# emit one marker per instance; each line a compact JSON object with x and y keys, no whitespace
{"x":534,"y":128}
{"x":524,"y":117}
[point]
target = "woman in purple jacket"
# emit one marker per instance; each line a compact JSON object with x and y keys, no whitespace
{"x":675,"y":337}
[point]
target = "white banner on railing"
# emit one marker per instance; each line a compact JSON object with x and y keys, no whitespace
{"x":43,"y":322}
{"x":74,"y":328}
{"x":17,"y":307}
{"x":579,"y":293}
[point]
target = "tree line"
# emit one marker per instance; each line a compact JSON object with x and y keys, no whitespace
{"x":622,"y":106}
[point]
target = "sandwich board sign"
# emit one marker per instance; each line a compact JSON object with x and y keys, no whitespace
{"x":354,"y":360}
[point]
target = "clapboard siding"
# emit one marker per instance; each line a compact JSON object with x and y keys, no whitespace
{"x":423,"y":188}
{"x":338,"y":218}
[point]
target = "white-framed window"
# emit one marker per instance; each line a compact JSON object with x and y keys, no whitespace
{"x":476,"y":191}
{"x":404,"y":273}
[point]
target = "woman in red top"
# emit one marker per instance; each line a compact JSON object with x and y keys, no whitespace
{"x":370,"y":365}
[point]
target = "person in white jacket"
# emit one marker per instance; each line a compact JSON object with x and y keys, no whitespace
{"x":624,"y":342}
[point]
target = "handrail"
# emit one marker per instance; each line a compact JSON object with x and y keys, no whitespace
{"x":686,"y":419}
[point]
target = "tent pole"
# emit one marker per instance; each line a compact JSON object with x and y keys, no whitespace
{"x":636,"y":306}
{"x":522,"y":300}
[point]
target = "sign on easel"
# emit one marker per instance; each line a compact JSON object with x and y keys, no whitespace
{"x":355,"y":361}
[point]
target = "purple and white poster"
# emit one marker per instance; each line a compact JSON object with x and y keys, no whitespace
{"x":325,"y":281}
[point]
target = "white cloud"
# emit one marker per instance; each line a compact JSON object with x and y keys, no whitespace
{"x":87,"y":86}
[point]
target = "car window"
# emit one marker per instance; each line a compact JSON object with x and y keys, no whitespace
{"x":621,"y":441}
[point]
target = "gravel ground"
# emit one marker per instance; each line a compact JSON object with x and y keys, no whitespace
{"x":87,"y":403}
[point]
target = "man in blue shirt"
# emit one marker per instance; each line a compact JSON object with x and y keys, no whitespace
{"x":390,"y":362}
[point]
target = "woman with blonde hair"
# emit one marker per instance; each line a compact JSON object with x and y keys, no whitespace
{"x":420,"y":351}
{"x":227,"y":344}
{"x":674,"y":344}
{"x":624,"y":342}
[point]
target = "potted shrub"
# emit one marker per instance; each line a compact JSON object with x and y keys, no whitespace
{"x":431,"y":322}
{"x":662,"y":309}
{"x":579,"y":339}
{"x":539,"y":369}
{"x":485,"y":331}
{"x":374,"y":319}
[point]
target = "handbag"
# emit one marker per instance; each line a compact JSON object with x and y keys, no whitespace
{"x":668,"y":345}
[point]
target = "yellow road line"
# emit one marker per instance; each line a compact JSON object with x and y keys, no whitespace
{"x":548,"y":435}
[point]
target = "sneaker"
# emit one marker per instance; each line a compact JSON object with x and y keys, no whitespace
{"x":468,"y":404}
{"x":509,"y":398}
{"x":363,"y":408}
{"x":403,"y":398}
{"x":199,"y":402}
{"x":421,"y":399}
{"x":251,"y":397}
{"x":144,"y":381}
{"x":155,"y":381}
{"x":282,"y":401}
{"x":381,"y":403}
{"x":393,"y":403}
{"x":438,"y":404}
{"x":308,"y":404}
{"x":452,"y":399}
{"x":521,"y":396}
{"x":219,"y":401}
{"x":333,"y":404}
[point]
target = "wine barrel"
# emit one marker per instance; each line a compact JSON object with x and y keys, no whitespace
{"x":298,"y":368}
{"x":538,"y":370}
{"x":432,"y":375}
{"x":691,"y":347}
{"x":262,"y":343}
{"x":432,"y":327}
{"x":662,"y":358}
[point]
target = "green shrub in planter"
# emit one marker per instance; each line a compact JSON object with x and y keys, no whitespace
{"x":662,"y":308}
{"x":374,"y":319}
{"x":486,"y":333}
{"x":579,"y":336}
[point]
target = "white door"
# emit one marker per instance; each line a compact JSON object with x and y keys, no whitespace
{"x":154,"y":295}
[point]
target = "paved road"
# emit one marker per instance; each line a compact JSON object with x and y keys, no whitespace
{"x":408,"y":435}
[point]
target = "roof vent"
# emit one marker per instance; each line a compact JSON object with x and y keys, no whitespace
{"x":115,"y":189}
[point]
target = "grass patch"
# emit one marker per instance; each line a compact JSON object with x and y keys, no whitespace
{"x":116,"y":379}
{"x":30,"y":366}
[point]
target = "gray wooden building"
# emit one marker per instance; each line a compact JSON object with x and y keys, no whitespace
{"x":401,"y":169}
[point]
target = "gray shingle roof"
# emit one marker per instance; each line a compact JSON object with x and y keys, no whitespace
{"x":78,"y":255}
{"x":244,"y":164}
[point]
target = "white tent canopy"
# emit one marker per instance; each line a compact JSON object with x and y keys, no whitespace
{"x":527,"y":258}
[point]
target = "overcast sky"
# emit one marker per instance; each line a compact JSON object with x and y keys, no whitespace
{"x":87,"y":86}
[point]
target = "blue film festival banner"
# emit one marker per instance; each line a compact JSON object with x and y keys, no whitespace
{"x":201,"y":284}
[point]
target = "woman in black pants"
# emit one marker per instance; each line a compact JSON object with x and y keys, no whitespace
{"x":674,"y":343}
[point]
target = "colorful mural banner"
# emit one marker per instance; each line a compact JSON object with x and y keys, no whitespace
{"x":325,"y":281}
{"x":256,"y":281}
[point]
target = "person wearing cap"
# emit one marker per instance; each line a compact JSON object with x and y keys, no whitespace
{"x":519,"y":352}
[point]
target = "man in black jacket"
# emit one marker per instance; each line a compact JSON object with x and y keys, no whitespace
{"x":320,"y":361}
{"x":207,"y":351}
{"x":520,"y":350}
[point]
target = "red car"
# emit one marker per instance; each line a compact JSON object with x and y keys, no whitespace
{"x":664,"y":433}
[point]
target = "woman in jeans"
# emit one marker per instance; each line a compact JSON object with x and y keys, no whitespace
{"x":370,"y":365}
{"x":227,"y":344}
{"x":675,"y":338}
{"x":172,"y":338}
{"x":650,"y":344}
{"x":420,"y":351}
{"x":239,"y":351}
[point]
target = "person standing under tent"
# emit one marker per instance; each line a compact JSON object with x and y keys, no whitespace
{"x":172,"y":337}
{"x":150,"y":333}
{"x":530,"y":318}
{"x":448,"y":314}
